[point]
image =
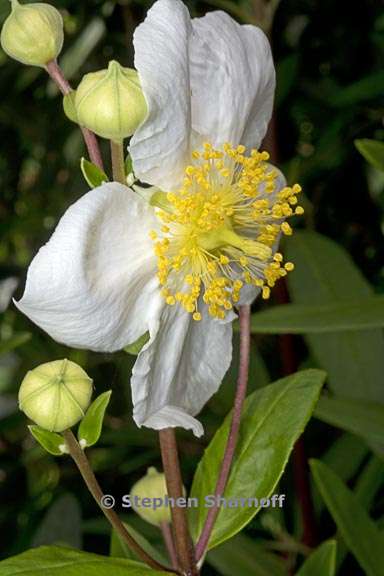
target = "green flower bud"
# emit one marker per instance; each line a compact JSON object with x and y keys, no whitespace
{"x":55,"y":395}
{"x":111,"y":102}
{"x":152,"y":486}
{"x":33,"y":33}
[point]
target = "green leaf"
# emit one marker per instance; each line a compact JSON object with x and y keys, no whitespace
{"x":14,"y":342}
{"x":325,"y":274}
{"x":272,"y":420}
{"x":61,"y":524}
{"x":120,"y":549}
{"x":366,"y":488}
{"x":245,"y":557}
{"x":323,"y":318}
{"x":358,"y":416}
{"x":322,"y":562}
{"x":373,"y":152}
{"x":345,"y":456}
{"x":90,"y":427}
{"x":50,"y":441}
{"x":370,"y":481}
{"x":135,"y":348}
{"x":364,"y":89}
{"x":359,"y":532}
{"x":70,"y":107}
{"x":56,"y":561}
{"x":93,"y":175}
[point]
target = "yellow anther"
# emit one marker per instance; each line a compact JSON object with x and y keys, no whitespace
{"x":289,"y":266}
{"x":266,"y":292}
{"x":190,"y":170}
{"x":285,"y":227}
{"x":224,"y":259}
{"x":223,"y":213}
{"x":299,"y":210}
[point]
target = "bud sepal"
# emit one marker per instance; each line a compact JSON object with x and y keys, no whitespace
{"x":93,"y":175}
{"x":90,"y":427}
{"x":136,"y":346}
{"x":51,"y":441}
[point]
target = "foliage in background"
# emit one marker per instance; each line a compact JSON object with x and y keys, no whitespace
{"x":330,"y":86}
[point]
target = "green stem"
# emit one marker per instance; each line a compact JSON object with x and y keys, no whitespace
{"x":118,"y":167}
{"x":93,"y":486}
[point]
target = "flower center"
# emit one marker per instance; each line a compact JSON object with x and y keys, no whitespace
{"x":218,"y":231}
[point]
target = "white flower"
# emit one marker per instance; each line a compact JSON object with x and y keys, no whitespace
{"x":118,"y":266}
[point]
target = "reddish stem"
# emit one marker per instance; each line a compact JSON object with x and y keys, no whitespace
{"x":242,"y":380}
{"x":166,"y":530}
{"x":171,"y":466}
{"x":90,"y":139}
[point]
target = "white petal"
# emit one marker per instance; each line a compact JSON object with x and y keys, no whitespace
{"x":232,"y":81}
{"x":178,"y":371}
{"x":93,"y":285}
{"x":160,"y":147}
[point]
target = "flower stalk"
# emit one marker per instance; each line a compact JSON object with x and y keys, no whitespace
{"x":93,"y":486}
{"x":242,"y":381}
{"x":117,"y":157}
{"x":56,"y":74}
{"x":166,"y":530}
{"x":171,"y":466}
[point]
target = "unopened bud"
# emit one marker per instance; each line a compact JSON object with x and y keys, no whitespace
{"x":55,"y":395}
{"x":152,"y":486}
{"x":33,"y":33}
{"x":111,"y":102}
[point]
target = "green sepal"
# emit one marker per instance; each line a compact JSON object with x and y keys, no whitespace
{"x":51,"y":441}
{"x":128,"y":165}
{"x":135,"y":348}
{"x":159,"y":199}
{"x":90,"y":427}
{"x":93,"y":175}
{"x":70,"y":107}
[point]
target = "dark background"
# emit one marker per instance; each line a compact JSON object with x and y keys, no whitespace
{"x":330,"y":85}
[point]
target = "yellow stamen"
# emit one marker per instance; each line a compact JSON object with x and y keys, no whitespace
{"x":221,"y":226}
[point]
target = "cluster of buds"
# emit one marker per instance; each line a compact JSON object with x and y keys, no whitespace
{"x":109,"y":102}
